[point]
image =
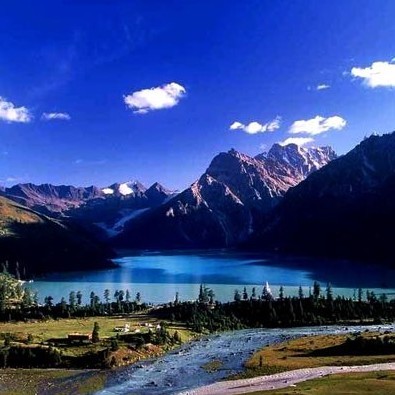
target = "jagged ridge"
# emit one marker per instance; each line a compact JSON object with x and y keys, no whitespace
{"x":227,"y":202}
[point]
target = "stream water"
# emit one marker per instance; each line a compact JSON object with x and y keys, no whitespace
{"x":182,"y":370}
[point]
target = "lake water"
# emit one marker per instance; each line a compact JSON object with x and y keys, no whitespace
{"x":158,"y":276}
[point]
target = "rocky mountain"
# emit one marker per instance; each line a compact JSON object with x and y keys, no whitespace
{"x":40,"y":244}
{"x":301,"y":160}
{"x":346,"y":209}
{"x":51,"y":199}
{"x":121,"y":203}
{"x":105,"y":206}
{"x":226,"y":204}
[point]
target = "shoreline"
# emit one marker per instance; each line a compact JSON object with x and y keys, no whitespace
{"x":282,"y":380}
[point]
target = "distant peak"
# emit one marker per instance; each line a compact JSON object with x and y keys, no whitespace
{"x":127,"y":188}
{"x":233,"y":152}
{"x":158,"y":187}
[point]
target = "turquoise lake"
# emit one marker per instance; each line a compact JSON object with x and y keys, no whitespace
{"x":158,"y":276}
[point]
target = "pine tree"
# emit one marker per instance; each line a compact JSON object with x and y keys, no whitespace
{"x":48,"y":301}
{"x":329,"y":292}
{"x":95,"y":333}
{"x":63,"y":305}
{"x":316,"y":290}
{"x":245,"y":294}
{"x":107,"y":296}
{"x":176,"y":299}
{"x":79,"y":298}
{"x":92,"y":298}
{"x":72,"y":299}
{"x":360,"y":295}
{"x":210,"y":295}
{"x":116,"y":296}
{"x":281,"y":293}
{"x":266,"y":292}
{"x":121,"y":295}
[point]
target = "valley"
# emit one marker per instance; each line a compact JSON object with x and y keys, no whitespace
{"x":196,"y":262}
{"x":197,"y":197}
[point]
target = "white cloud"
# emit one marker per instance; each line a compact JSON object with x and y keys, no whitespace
{"x":317,"y":125}
{"x":256,"y":127}
{"x":10,"y":113}
{"x":297,"y":140}
{"x":379,"y":74}
{"x":49,"y":116}
{"x":322,"y":87}
{"x":165,"y":96}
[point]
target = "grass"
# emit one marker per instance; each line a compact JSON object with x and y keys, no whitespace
{"x":212,"y":366}
{"x":11,"y":212}
{"x":48,"y":329}
{"x":374,"y":383}
{"x":33,"y":381}
{"x":296,"y":354}
{"x":42,"y":331}
{"x":36,"y":381}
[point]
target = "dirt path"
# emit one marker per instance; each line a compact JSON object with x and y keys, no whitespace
{"x":281,"y":380}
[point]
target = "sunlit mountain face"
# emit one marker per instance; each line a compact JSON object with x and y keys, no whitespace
{"x":227,"y":203}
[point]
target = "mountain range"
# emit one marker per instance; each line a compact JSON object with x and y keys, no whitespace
{"x":104,"y":206}
{"x":288,"y":200}
{"x":226,"y":204}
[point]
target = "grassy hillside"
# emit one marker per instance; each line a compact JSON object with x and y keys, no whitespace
{"x":41,"y":244}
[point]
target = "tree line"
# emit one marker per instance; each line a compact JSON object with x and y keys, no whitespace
{"x":264,"y":310}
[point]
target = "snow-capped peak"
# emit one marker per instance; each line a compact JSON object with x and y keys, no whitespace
{"x":125,"y":189}
{"x":301,"y":159}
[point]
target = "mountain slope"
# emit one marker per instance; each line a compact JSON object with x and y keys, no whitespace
{"x":40,"y":244}
{"x":346,"y":209}
{"x":106,"y":207}
{"x":51,"y":199}
{"x":225,"y":204}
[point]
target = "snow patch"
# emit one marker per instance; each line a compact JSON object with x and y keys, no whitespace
{"x":117,"y":228}
{"x":107,"y":191}
{"x":124,"y":189}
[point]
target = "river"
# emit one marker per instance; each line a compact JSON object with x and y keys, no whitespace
{"x":182,"y":370}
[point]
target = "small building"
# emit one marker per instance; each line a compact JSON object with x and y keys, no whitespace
{"x":79,"y":337}
{"x":123,"y":329}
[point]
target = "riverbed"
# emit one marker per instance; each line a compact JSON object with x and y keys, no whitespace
{"x":182,"y":370}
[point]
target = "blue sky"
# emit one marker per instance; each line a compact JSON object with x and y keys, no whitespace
{"x":76,"y":78}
